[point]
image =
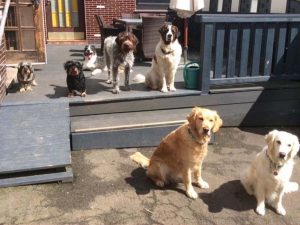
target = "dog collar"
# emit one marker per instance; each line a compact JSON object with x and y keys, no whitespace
{"x":194,"y":138}
{"x":274,"y":167}
{"x":165,"y":52}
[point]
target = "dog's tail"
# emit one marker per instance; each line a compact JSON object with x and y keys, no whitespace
{"x":140,"y":159}
{"x":139,"y":78}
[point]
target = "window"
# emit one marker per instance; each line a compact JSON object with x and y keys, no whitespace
{"x":152,"y":4}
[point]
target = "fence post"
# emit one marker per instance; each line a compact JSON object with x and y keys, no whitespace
{"x":205,"y":56}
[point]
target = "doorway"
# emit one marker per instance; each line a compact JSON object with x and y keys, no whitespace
{"x":65,"y":20}
{"x":24,"y":33}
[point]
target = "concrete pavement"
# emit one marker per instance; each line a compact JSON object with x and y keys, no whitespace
{"x":110,"y":189}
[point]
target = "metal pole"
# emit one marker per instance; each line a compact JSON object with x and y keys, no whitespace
{"x":3,"y":19}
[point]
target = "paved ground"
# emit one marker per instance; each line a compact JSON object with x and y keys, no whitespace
{"x":110,"y":189}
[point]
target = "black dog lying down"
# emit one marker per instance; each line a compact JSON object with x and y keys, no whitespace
{"x":75,"y":79}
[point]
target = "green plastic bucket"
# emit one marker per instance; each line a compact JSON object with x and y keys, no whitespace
{"x":191,"y":73}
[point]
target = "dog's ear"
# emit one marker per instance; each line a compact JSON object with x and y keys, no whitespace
{"x":295,"y":147}
{"x":20,"y":65}
{"x":68,"y":64}
{"x":134,"y":40}
{"x":79,"y":65}
{"x":119,"y":38}
{"x":31,"y":67}
{"x":218,"y":123}
{"x":163,"y":29}
{"x":175,"y":32}
{"x":191,"y":118}
{"x":270,"y":138}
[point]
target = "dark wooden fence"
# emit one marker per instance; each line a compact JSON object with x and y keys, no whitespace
{"x":238,"y":48}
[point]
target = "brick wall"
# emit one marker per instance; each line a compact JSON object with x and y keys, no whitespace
{"x":2,"y":71}
{"x":112,"y":9}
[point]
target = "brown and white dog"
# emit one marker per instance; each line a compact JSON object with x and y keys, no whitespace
{"x":268,"y":176}
{"x":118,"y":51}
{"x":165,"y":62}
{"x":181,"y":153}
{"x":25,"y":76}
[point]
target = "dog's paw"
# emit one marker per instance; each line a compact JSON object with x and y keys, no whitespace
{"x":192,"y":193}
{"x":83,"y":94}
{"x":159,"y":183}
{"x":291,"y":187}
{"x":29,"y":89}
{"x":70,"y":95}
{"x":164,"y":90}
{"x":261,"y":210}
{"x":203,"y":184}
{"x":172,"y":88}
{"x":22,"y":89}
{"x":281,"y":211}
{"x":34,"y":83}
{"x":109,"y":81}
{"x":127,"y":88}
{"x":116,"y":91}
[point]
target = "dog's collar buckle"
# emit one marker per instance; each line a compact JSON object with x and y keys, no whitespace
{"x":194,"y":138}
{"x":166,"y":52}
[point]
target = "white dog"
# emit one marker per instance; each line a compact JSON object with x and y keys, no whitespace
{"x":268,"y":176}
{"x":165,"y":62}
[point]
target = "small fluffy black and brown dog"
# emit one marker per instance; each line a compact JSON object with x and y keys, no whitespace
{"x":75,"y":78}
{"x":25,"y":76}
{"x":118,"y":51}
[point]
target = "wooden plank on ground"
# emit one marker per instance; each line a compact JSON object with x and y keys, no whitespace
{"x":34,"y":137}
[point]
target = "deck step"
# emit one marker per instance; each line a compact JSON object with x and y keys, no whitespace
{"x":122,"y":130}
{"x":35,"y":144}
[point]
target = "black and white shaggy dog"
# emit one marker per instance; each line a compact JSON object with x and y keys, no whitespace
{"x":165,"y":62}
{"x":75,"y":78}
{"x":91,"y":61}
{"x":25,"y":76}
{"x":118,"y":51}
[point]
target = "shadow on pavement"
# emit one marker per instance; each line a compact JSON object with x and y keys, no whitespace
{"x":143,"y":185}
{"x":230,"y":195}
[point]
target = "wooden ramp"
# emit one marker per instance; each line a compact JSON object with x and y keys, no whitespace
{"x":35,"y":144}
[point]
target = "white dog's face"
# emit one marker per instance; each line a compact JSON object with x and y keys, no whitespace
{"x":282,"y":145}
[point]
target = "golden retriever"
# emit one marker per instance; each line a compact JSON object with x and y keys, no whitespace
{"x":181,"y":153}
{"x":268,"y":176}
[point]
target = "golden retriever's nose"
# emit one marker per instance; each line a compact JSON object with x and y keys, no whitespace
{"x":282,"y":155}
{"x":205,"y":130}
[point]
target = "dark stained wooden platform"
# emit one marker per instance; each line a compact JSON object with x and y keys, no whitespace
{"x":35,"y":144}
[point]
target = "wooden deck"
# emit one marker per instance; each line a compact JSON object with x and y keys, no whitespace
{"x":35,"y":144}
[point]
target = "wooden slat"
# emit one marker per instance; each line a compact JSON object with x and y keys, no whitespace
{"x":206,"y":56}
{"x":256,"y":50}
{"x":143,"y":137}
{"x":37,"y":179}
{"x":219,"y":54}
{"x":269,"y":50}
{"x":244,"y":50}
{"x":293,"y":48}
{"x":280,"y":49}
{"x":232,"y":47}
